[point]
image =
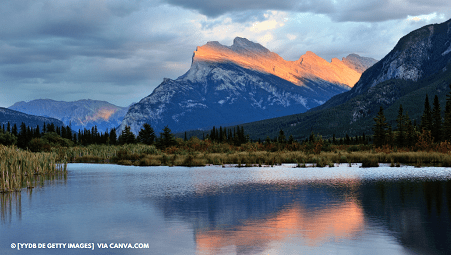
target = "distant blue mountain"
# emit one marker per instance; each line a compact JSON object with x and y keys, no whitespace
{"x":79,"y":114}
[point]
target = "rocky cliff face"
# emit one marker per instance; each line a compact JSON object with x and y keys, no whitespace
{"x":79,"y":114}
{"x":229,"y":85}
{"x":421,"y":53}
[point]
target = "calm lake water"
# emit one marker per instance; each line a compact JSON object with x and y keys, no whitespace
{"x":215,"y":210}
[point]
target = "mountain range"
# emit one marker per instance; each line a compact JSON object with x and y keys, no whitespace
{"x":229,"y":85}
{"x":419,"y":65}
{"x":78,"y":114}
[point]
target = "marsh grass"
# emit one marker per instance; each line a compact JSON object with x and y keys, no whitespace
{"x":140,"y":157}
{"x":148,"y":155}
{"x":19,"y":169}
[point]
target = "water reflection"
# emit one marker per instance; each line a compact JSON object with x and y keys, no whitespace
{"x":251,"y":217}
{"x":11,"y":202}
{"x":341,"y":221}
{"x":416,"y":212}
{"x":212,"y":210}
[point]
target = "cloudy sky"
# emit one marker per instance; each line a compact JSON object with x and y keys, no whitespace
{"x":119,"y":51}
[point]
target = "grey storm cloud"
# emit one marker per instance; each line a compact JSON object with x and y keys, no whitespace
{"x":338,"y":10}
{"x":216,"y":8}
{"x":88,"y":48}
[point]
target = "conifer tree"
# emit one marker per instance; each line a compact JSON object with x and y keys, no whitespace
{"x":14,"y":130}
{"x":436,"y":121}
{"x":147,"y":135}
{"x":389,"y":139}
{"x":290,"y":139}
{"x":379,"y":128}
{"x":426,"y":118}
{"x":166,"y":139}
{"x":22,"y":136}
{"x":400,"y":122}
{"x":127,"y":137}
{"x":410,"y":136}
{"x":447,"y":123}
{"x":281,"y":138}
{"x":267,"y":140}
{"x":213,"y":134}
{"x":37,"y":132}
{"x":113,"y":136}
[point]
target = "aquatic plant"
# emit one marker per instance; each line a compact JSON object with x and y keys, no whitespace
{"x":19,"y":168}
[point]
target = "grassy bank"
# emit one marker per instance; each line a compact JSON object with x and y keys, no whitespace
{"x":148,"y":155}
{"x":19,"y":169}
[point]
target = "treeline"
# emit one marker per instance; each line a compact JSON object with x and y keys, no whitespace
{"x":35,"y":139}
{"x":433,"y":128}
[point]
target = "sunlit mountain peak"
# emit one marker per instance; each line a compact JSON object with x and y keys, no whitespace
{"x":254,"y":56}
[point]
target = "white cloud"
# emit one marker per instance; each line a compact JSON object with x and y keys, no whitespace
{"x":291,"y":37}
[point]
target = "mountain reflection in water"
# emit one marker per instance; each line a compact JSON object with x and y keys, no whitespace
{"x":215,"y":210}
{"x":254,"y":216}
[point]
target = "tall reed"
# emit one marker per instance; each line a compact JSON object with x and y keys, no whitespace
{"x":19,"y":169}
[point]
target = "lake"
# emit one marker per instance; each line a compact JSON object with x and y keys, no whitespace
{"x":110,"y":209}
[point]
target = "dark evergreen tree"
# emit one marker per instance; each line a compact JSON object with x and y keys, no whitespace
{"x":127,"y":137}
{"x":400,"y":122}
{"x":281,"y":138}
{"x":22,"y":140}
{"x":379,"y":128}
{"x":50,"y":128}
{"x":410,"y":132}
{"x":220,"y":134}
{"x":426,"y":118}
{"x":390,"y":139}
{"x":213,"y":134}
{"x":290,"y":139}
{"x":37,"y":132}
{"x":113,"y":136}
{"x":242,"y":136}
{"x":447,"y":123}
{"x":7,"y":138}
{"x":14,"y":130}
{"x":436,"y":130}
{"x":267,"y":140}
{"x":166,"y":139}
{"x":147,"y":134}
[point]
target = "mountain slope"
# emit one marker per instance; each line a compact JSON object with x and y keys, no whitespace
{"x":418,"y":65}
{"x":15,"y":117}
{"x":78,"y":114}
{"x":241,"y":83}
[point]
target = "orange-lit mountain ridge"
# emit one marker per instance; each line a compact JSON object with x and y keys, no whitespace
{"x":244,"y":82}
{"x":310,"y":66}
